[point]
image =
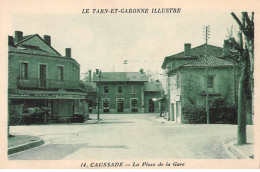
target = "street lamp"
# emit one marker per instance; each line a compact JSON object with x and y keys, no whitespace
{"x":98,"y":74}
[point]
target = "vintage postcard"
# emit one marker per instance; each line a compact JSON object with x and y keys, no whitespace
{"x":129,"y":84}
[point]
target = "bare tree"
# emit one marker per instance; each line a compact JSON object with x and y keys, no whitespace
{"x":243,"y":55}
{"x":247,"y":28}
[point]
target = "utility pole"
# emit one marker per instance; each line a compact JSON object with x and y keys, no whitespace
{"x":125,"y":63}
{"x":206,"y":31}
{"x":98,"y":73}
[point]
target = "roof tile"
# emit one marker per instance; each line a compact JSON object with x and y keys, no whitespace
{"x":211,"y":61}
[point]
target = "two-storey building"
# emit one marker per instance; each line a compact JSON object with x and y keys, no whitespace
{"x":120,"y":92}
{"x":186,"y":78}
{"x":39,"y":76}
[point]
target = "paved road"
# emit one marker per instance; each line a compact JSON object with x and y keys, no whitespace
{"x":127,"y":136}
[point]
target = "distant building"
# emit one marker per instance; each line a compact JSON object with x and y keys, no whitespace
{"x":186,"y":78}
{"x":121,"y":92}
{"x":39,"y":76}
{"x":152,"y":95}
{"x":127,"y":92}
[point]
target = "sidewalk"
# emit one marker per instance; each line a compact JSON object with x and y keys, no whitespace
{"x":20,"y":143}
{"x":232,"y":149}
{"x":163,"y":120}
{"x":92,"y":121}
{"x":245,"y":151}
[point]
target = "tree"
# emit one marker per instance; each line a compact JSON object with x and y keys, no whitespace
{"x":191,"y":84}
{"x":243,"y":55}
{"x":247,"y":28}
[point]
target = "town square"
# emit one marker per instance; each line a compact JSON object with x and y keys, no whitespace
{"x":139,"y":83}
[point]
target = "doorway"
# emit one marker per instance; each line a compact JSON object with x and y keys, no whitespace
{"x":151,"y":105}
{"x":120,"y":105}
{"x":134,"y":105}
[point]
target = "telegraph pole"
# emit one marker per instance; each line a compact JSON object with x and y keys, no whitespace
{"x":206,"y":31}
{"x":125,"y":63}
{"x":98,"y":73}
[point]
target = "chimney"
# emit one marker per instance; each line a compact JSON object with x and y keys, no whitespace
{"x":10,"y":41}
{"x":97,"y":71}
{"x":187,"y":48}
{"x":225,"y":47}
{"x":47,"y":39}
{"x":68,"y":52}
{"x":18,"y":36}
{"x":141,"y":71}
{"x":89,"y":76}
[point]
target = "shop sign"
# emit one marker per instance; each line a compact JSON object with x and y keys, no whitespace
{"x":45,"y":95}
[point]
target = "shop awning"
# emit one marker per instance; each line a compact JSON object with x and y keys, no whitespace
{"x":158,"y":99}
{"x":39,"y":94}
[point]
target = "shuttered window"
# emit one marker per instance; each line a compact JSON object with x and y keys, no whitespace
{"x":133,"y":89}
{"x":120,"y":89}
{"x":60,"y":73}
{"x":210,"y":81}
{"x":24,"y":70}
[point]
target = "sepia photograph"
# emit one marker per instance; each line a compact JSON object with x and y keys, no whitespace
{"x":98,"y":85}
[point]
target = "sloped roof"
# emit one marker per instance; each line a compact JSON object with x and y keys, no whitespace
{"x":31,"y":50}
{"x":120,"y":76}
{"x":151,"y":86}
{"x":196,"y":52}
{"x":211,"y":61}
{"x":27,"y":37}
{"x":36,"y":51}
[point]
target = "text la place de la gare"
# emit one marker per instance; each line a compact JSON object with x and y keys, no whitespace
{"x":130,"y":10}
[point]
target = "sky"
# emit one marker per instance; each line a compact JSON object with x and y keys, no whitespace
{"x":104,"y":41}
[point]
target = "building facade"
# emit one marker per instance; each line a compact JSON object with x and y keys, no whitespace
{"x":152,"y":95}
{"x":39,"y":76}
{"x":186,"y":79}
{"x":121,"y":92}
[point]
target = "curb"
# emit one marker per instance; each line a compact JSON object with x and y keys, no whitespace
{"x":25,"y":146}
{"x":93,"y":122}
{"x":236,"y":151}
{"x":228,"y":152}
{"x":97,"y":121}
{"x":233,"y":152}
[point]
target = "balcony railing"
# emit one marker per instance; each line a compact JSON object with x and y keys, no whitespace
{"x":211,"y":91}
{"x":49,"y":84}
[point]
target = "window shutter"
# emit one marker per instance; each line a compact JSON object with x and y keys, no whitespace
{"x":216,"y":84}
{"x":216,"y":80}
{"x":202,"y":82}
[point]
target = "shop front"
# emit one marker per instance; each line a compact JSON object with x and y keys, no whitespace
{"x":57,"y":105}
